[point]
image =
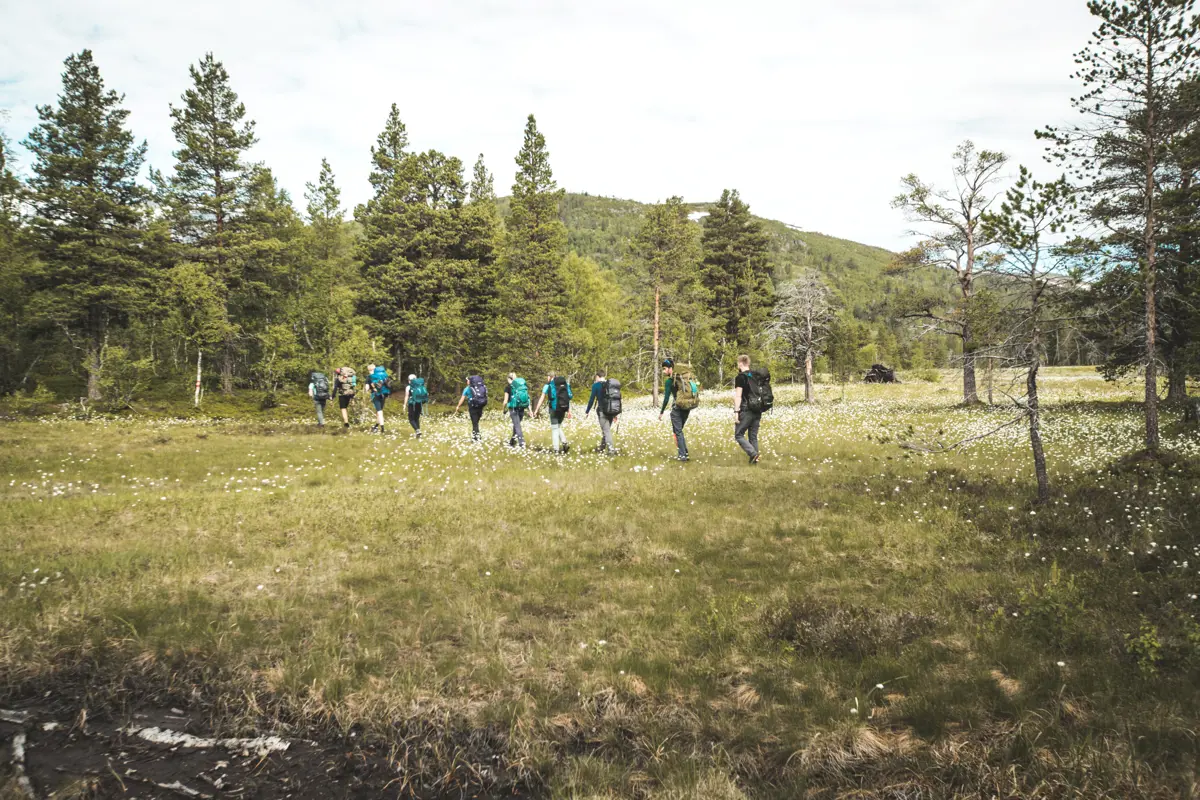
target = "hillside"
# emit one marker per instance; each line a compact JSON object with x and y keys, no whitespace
{"x":601,"y":227}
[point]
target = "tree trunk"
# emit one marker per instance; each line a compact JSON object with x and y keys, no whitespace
{"x":199,"y":359}
{"x":1151,"y":243}
{"x":655,"y":366}
{"x":970,"y":393}
{"x":1177,"y":393}
{"x":808,"y":375}
{"x":227,"y":368}
{"x":95,"y":366}
{"x":1035,"y":433}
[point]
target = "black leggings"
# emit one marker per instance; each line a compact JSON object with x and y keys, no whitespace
{"x":476,"y":413}
{"x":414,"y":416}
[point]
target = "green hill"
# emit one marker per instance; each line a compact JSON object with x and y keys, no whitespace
{"x":601,"y":227}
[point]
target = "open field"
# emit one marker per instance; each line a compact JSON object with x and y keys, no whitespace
{"x":440,"y":616}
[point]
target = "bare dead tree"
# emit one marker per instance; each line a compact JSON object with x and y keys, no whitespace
{"x":800,"y":323}
{"x":950,"y":222}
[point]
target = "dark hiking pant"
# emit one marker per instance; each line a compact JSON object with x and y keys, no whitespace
{"x":679,"y":418}
{"x":476,"y":413}
{"x":746,"y":431}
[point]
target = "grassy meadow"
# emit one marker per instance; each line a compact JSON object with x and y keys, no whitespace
{"x":851,"y":618}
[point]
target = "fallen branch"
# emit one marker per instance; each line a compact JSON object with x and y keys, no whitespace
{"x":945,"y":448}
{"x":18,"y":762}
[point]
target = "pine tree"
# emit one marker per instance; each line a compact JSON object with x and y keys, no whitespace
{"x":325,"y":303}
{"x":206,"y":195}
{"x":390,"y":156}
{"x":800,"y":323}
{"x":483,"y":187}
{"x":1139,"y":56}
{"x":89,"y":207}
{"x":529,"y":329}
{"x":737,"y":274}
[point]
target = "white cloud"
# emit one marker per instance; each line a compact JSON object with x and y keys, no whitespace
{"x":812,"y":110}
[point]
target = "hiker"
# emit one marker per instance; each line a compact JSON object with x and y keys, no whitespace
{"x":381,"y":387}
{"x":558,"y":391}
{"x":318,"y":390}
{"x":345,"y":384}
{"x":682,"y":390}
{"x":606,"y":397}
{"x":516,"y":400}
{"x":752,"y":396}
{"x":415,"y":398}
{"x":475,"y":396}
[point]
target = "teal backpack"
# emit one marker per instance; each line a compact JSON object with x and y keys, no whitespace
{"x":518,"y":394}
{"x":417,"y":393}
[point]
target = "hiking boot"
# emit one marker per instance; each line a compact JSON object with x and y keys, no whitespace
{"x":566,"y":448}
{"x":346,"y":425}
{"x":754,"y":459}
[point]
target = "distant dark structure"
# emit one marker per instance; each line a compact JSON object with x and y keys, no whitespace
{"x":878,"y":373}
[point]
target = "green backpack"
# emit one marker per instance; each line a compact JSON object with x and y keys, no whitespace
{"x":518,"y":394}
{"x":687,"y":388}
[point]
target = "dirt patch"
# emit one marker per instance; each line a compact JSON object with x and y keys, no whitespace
{"x":166,"y":753}
{"x":832,"y":629}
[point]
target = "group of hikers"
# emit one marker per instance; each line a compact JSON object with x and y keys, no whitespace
{"x":752,"y":396}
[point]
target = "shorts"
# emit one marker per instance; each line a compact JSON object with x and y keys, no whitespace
{"x":378,"y":401}
{"x":344,"y":400}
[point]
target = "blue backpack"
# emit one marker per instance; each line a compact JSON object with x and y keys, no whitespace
{"x":381,"y":383}
{"x":417,"y":393}
{"x":478,"y":391}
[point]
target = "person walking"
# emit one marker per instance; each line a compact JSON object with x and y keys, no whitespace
{"x":345,"y":385}
{"x":606,"y":397}
{"x":475,"y":396}
{"x":682,"y":391}
{"x":516,"y":400}
{"x":415,"y":398}
{"x":318,"y":390}
{"x":752,"y":396}
{"x":558,"y":391}
{"x":381,"y":386}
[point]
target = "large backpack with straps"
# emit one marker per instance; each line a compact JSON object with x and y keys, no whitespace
{"x":381,"y":383}
{"x":610,"y":398}
{"x":518,"y":394}
{"x":417,"y":392}
{"x":349,"y":381}
{"x":560,"y":394}
{"x":761,"y":397}
{"x":478,"y":389}
{"x":320,"y":386}
{"x":687,"y":388}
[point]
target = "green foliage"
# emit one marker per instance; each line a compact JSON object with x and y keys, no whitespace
{"x":1145,"y":648}
{"x":1053,"y":610}
{"x":88,"y":209}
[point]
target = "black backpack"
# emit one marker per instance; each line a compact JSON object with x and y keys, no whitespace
{"x":320,"y":386}
{"x":760,"y":398}
{"x":562,"y":394}
{"x":610,"y":398}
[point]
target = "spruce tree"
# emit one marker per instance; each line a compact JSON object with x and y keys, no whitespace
{"x":206,"y":194}
{"x":736,"y":271}
{"x":326,"y":299}
{"x":529,"y":329}
{"x":88,"y":209}
{"x":483,"y":186}
{"x":16,"y":265}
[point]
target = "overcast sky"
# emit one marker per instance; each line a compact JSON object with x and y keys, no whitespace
{"x":813,"y":110}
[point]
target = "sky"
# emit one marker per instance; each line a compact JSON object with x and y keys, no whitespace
{"x":812,"y":110}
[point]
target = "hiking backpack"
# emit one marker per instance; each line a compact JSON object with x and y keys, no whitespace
{"x":687,"y":388}
{"x":610,"y":398}
{"x":760,"y":398}
{"x":560,"y":394}
{"x":417,"y":393}
{"x":478,"y":391}
{"x":518,"y":394}
{"x":320,"y":386}
{"x":349,"y":381}
{"x":381,"y":383}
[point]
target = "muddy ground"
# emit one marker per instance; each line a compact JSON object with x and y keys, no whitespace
{"x":168,"y":753}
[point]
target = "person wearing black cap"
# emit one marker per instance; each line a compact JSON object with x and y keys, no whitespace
{"x":679,"y":416}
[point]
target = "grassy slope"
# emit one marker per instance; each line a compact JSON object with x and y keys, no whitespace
{"x":635,"y":627}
